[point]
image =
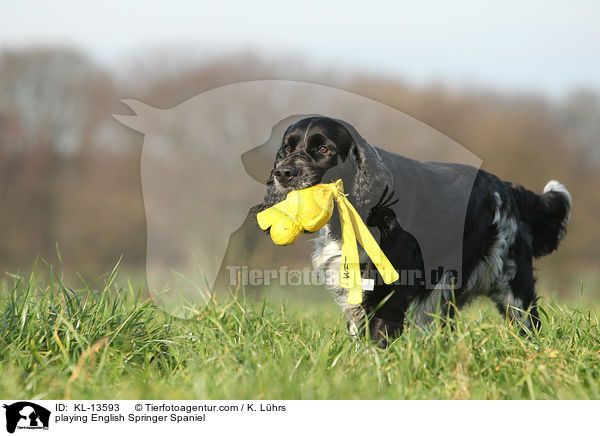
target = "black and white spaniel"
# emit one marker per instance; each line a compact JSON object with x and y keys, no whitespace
{"x":454,"y":232}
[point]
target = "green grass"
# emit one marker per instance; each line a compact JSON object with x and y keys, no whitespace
{"x":57,"y":342}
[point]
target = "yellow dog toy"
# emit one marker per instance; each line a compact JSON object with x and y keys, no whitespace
{"x":310,"y":209}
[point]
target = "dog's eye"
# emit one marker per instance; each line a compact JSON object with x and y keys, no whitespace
{"x":323,"y":149}
{"x":288,"y":148}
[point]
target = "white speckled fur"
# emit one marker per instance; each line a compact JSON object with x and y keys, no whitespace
{"x":490,"y":277}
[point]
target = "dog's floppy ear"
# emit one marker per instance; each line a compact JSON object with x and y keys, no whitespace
{"x":366,"y":174}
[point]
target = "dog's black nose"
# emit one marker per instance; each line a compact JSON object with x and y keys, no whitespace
{"x":285,"y":173}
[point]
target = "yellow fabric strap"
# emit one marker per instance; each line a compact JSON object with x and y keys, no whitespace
{"x":310,"y":209}
{"x":353,"y":229}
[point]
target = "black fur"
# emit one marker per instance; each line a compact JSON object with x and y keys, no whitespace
{"x":504,"y":227}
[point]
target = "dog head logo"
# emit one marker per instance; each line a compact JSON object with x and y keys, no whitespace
{"x":26,"y":415}
{"x":202,"y":169}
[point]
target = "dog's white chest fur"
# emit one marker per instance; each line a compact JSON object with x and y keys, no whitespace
{"x":326,"y":259}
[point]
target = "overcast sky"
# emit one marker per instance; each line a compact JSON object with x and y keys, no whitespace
{"x":538,"y":46}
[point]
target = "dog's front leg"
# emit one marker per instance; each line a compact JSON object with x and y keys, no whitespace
{"x":382,"y":331}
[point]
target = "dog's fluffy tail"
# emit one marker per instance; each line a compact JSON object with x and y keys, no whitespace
{"x":547,"y":215}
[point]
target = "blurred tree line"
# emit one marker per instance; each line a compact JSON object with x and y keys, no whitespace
{"x":69,"y":173}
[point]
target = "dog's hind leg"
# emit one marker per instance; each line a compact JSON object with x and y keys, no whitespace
{"x":516,"y":298}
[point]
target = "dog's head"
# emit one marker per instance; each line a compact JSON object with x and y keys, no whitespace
{"x":309,"y":150}
{"x":321,"y":150}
